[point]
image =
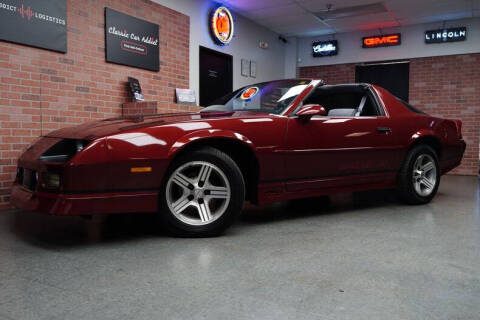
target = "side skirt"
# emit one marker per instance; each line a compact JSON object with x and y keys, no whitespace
{"x":295,"y":189}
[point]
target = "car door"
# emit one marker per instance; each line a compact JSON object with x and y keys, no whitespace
{"x":339,"y":150}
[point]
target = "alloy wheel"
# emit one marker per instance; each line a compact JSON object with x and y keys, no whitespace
{"x":424,"y":175}
{"x":198,"y":193}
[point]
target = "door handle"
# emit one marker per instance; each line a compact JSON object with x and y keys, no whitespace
{"x":384,"y":130}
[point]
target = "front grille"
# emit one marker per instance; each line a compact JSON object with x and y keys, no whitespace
{"x":29,"y":180}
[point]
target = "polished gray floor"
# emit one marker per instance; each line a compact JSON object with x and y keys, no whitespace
{"x":362,"y":256}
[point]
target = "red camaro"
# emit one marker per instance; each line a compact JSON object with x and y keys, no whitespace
{"x":267,"y":142}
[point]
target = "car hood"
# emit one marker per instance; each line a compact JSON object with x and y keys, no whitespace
{"x":101,"y":128}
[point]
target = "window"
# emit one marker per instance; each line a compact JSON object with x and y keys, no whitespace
{"x":345,"y":100}
{"x":269,"y":97}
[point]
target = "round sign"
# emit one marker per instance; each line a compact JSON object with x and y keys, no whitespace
{"x":222,"y":25}
{"x":249,"y":93}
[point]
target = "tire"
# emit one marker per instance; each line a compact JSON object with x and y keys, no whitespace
{"x":419,"y":178}
{"x":202,"y":194}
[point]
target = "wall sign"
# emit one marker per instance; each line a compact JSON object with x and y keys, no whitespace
{"x":131,"y":41}
{"x":221,"y":25}
{"x":41,"y":24}
{"x":325,"y":48}
{"x":382,"y":41}
{"x":446,"y":35}
{"x":185,"y":96}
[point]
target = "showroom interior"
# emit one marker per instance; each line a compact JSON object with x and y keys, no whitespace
{"x":347,"y":253}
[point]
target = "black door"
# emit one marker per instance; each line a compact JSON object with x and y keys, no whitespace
{"x":392,"y":76}
{"x":216,"y":76}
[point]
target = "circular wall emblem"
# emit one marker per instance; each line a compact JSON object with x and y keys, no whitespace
{"x":222,"y":25}
{"x":249,"y":93}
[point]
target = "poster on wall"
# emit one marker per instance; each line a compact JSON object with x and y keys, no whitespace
{"x":36,"y":23}
{"x":131,"y":41}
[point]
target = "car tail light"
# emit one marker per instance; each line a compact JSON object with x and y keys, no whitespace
{"x":458,"y":123}
{"x":50,"y":180}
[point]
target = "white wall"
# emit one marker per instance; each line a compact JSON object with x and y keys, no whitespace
{"x":244,"y":45}
{"x":413,"y":45}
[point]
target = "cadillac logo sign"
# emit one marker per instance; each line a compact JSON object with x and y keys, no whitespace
{"x":325,"y":48}
{"x":446,"y":35}
{"x":222,"y":25}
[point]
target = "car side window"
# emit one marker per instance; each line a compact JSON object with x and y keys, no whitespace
{"x":368,"y":109}
{"x":336,"y":103}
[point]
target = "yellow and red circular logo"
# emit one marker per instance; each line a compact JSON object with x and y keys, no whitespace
{"x":249,"y":93}
{"x":222,"y":25}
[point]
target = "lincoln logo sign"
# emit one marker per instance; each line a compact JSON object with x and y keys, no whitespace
{"x":446,"y":35}
{"x":41,"y":24}
{"x":222,"y":25}
{"x":325,"y":48}
{"x":382,"y":41}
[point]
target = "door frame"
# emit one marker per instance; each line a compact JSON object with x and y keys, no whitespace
{"x":379,"y":63}
{"x":219,"y":53}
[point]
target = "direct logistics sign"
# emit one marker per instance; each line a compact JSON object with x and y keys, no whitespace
{"x":131,"y":41}
{"x":325,"y":48}
{"x":446,"y":35}
{"x":387,"y":40}
{"x":36,"y":23}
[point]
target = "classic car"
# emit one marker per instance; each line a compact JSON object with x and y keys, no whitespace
{"x":267,"y":142}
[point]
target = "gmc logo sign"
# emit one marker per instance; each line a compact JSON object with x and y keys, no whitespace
{"x":382,"y":41}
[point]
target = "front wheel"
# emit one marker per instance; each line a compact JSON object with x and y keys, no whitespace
{"x":203,"y":193}
{"x":419,"y":177}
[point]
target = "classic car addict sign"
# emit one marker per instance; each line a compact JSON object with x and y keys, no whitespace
{"x":325,"y":48}
{"x":446,"y":35}
{"x":37,"y":23}
{"x":382,"y":41}
{"x":131,"y":41}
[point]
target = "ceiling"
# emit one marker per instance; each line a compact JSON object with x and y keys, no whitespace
{"x":304,"y":17}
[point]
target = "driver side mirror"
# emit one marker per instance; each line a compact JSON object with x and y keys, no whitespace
{"x":308,"y":111}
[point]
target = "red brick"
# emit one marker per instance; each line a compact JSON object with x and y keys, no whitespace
{"x":54,"y":81}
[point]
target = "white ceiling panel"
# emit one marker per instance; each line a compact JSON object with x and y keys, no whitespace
{"x":318,"y":5}
{"x":296,"y":17}
{"x":428,"y":8}
{"x":382,"y":20}
{"x":250,"y":5}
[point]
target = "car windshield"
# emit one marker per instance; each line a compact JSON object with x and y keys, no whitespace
{"x":267,"y":97}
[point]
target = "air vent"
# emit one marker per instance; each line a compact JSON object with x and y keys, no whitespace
{"x":348,"y":12}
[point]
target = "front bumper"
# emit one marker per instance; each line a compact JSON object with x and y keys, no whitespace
{"x":84,"y":204}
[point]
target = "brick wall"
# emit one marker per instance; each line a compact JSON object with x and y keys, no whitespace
{"x":445,"y":86}
{"x":42,"y":90}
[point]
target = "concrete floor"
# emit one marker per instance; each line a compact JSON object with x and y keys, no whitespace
{"x":363,"y":256}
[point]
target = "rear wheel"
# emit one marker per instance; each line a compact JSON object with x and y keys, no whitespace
{"x":203,"y":193}
{"x":419,"y":177}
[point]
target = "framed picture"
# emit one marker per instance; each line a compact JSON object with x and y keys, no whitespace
{"x":253,"y":69}
{"x":245,"y":67}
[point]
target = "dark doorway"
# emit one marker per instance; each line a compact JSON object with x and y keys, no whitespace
{"x":216,"y":75}
{"x":393,"y":76}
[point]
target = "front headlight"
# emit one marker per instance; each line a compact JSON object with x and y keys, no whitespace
{"x":64,"y":150}
{"x":50,"y":180}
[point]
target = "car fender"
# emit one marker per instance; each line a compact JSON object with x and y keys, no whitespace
{"x":208,"y":134}
{"x":431,"y":135}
